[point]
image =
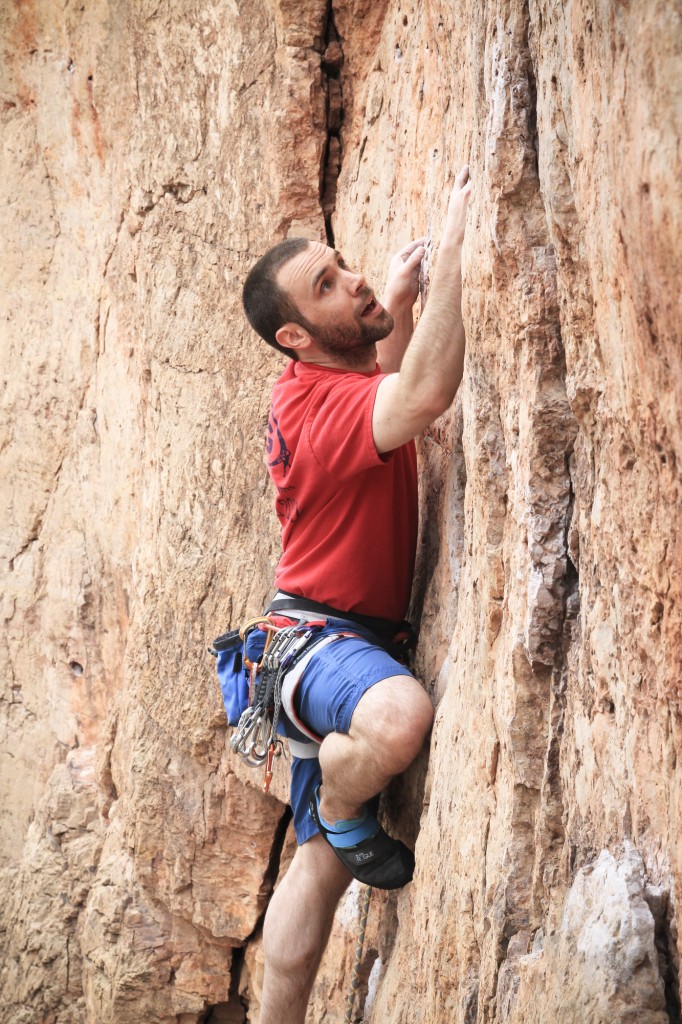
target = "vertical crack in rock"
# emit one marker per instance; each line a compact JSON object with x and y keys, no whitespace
{"x":272,"y":872}
{"x":533,"y":114}
{"x":108,"y":794}
{"x":236,"y":1009}
{"x":332,"y":62}
{"x":550,"y":829}
{"x":240,"y":988}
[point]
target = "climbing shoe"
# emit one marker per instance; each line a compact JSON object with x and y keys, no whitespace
{"x":365,"y":849}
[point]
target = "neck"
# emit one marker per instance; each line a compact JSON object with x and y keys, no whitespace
{"x":362,"y":360}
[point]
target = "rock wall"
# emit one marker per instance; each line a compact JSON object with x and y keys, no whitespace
{"x":151,"y":151}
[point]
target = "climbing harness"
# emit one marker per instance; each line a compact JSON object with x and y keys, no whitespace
{"x":256,"y":688}
{"x":256,"y":739}
{"x":273,"y":675}
{"x":359,"y":947}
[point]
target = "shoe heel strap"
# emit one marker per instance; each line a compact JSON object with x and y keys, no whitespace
{"x":344,"y":840}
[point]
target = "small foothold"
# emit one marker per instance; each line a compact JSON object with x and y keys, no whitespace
{"x":76,"y":668}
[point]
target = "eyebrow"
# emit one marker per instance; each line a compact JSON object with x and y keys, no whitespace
{"x":320,"y":273}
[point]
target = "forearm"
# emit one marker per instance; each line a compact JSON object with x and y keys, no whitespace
{"x":408,"y":401}
{"x":402,"y":289}
{"x":390,"y":350}
{"x":433,"y":364}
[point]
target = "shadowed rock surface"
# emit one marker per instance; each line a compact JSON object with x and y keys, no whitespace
{"x":150,"y":153}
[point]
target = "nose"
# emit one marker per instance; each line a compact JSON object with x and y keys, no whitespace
{"x":356,"y":282}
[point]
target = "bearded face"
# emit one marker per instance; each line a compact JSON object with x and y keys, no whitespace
{"x":348,"y":338}
{"x":334,"y":306}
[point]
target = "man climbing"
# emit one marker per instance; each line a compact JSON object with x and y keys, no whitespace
{"x":359,"y":388}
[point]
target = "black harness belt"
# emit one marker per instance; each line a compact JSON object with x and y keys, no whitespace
{"x":397,"y":638}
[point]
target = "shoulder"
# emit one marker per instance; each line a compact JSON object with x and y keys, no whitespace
{"x":288,"y":375}
{"x":310,"y":390}
{"x":346,"y":380}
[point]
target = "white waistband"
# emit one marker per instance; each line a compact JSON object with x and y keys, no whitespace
{"x":291,"y":681}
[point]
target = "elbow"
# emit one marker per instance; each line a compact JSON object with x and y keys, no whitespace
{"x":426,"y":409}
{"x":443,"y":399}
{"x":422,"y":403}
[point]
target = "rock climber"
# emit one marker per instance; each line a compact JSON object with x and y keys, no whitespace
{"x":361,"y":384}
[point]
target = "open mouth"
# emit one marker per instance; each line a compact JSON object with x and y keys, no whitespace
{"x":370,"y":308}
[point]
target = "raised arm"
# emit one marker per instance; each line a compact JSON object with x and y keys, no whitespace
{"x":431,"y":371}
{"x":402,"y":289}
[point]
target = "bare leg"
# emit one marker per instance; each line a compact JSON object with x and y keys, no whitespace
{"x":297,"y":927}
{"x":387,"y":731}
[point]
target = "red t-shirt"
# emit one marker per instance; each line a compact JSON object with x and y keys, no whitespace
{"x":348,"y":515}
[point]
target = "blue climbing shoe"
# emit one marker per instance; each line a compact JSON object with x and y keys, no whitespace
{"x":365,"y":849}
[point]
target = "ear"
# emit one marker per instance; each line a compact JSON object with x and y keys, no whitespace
{"x":292,"y":335}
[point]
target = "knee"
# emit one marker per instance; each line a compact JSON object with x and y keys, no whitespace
{"x":402,"y":726}
{"x":303,"y":907}
{"x":414,"y":724}
{"x":294,"y":960}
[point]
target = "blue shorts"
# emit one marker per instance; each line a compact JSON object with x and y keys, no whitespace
{"x":327,"y":695}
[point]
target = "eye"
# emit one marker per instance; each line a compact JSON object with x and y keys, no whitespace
{"x":325,"y":286}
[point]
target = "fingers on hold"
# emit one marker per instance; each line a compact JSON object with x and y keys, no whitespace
{"x":457,"y":193}
{"x":412,"y":258}
{"x":411,"y":246}
{"x":462,"y":177}
{"x":418,"y":255}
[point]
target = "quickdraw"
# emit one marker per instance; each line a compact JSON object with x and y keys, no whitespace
{"x":255,"y":738}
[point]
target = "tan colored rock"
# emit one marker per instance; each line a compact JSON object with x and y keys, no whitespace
{"x":42,"y":962}
{"x":559,"y":703}
{"x":149,"y":155}
{"x":602,"y":959}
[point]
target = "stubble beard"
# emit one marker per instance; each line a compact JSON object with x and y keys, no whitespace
{"x":350,"y":342}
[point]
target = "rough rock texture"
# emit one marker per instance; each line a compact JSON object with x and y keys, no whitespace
{"x":150,"y":152}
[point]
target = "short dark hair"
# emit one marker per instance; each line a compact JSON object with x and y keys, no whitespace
{"x":266,"y":305}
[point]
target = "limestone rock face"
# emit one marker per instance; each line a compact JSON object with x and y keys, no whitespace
{"x":151,"y":152}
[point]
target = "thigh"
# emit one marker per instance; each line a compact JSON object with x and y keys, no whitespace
{"x":338,"y":677}
{"x":391,"y":707}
